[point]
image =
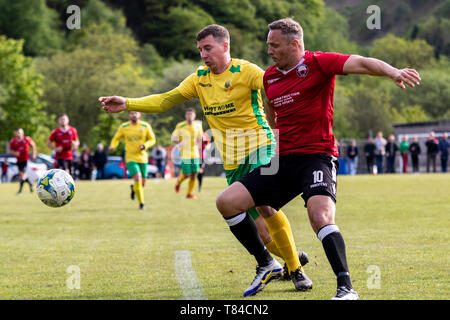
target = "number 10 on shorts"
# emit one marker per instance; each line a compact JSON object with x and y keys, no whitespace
{"x":318,"y":176}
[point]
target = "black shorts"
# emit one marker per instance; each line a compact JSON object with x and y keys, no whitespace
{"x":22,"y":166}
{"x":64,"y":164}
{"x":305,"y":174}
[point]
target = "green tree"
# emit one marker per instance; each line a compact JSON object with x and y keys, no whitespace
{"x":402,"y":53}
{"x":32,"y":21}
{"x":182,"y":26}
{"x":104,"y":63}
{"x":20,"y":92}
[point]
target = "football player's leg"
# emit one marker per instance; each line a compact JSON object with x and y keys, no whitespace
{"x":233,"y":204}
{"x":321,"y":212}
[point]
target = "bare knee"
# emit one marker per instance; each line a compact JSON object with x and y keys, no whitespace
{"x":233,"y":200}
{"x":321,"y":212}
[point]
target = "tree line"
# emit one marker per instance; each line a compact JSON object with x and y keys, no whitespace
{"x":148,"y":46}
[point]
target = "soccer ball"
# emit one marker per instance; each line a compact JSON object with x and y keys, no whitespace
{"x":55,"y":188}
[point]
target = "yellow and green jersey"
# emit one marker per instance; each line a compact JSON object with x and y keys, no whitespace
{"x":232,"y":104}
{"x":188,"y":135}
{"x":135,"y":135}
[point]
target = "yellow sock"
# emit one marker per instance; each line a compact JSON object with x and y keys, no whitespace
{"x":191,"y":186}
{"x":273,"y":249}
{"x":181,"y":178}
{"x":139,"y":191}
{"x":281,"y":233}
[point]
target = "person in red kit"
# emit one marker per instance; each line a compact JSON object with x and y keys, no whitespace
{"x":19,"y":146}
{"x":64,"y":140}
{"x":299,"y":89}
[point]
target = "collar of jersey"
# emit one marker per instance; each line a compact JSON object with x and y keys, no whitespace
{"x":286,"y":72}
{"x":221,"y":74}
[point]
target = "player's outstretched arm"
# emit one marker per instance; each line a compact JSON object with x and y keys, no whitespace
{"x":113,"y":104}
{"x":154,"y":103}
{"x":356,"y":64}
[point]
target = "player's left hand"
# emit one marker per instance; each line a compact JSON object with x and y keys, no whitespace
{"x":409,"y":76}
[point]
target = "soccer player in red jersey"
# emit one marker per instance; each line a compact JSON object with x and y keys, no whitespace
{"x":299,"y":88}
{"x":19,"y":146}
{"x":64,"y":140}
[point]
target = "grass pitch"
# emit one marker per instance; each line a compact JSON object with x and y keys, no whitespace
{"x":396,"y":229}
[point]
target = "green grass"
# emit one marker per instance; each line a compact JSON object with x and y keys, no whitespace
{"x":399,"y":223}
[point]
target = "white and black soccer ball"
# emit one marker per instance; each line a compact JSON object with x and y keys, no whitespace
{"x":55,"y":188}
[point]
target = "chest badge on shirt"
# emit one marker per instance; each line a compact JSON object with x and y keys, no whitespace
{"x":228,"y":85}
{"x":302,"y":70}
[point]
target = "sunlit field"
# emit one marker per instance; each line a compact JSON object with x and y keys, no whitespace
{"x":100,"y":246}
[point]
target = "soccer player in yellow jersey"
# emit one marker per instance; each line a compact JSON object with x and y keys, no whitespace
{"x":189,"y":135}
{"x":138,"y":136}
{"x":230,"y":94}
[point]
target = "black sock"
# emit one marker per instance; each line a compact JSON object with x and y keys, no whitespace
{"x":200,"y":178}
{"x":21,"y":185}
{"x":244,"y":229}
{"x":334,"y":246}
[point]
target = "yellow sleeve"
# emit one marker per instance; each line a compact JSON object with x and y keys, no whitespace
{"x":187,"y":87}
{"x":156,"y":103}
{"x":151,"y":139}
{"x":255,"y":76}
{"x":176,"y":135}
{"x":117,"y":137}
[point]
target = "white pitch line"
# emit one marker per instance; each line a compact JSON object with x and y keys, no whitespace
{"x":192,"y":289}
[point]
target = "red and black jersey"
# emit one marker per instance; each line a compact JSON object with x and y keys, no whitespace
{"x":21,"y":146}
{"x":63,"y":138}
{"x":303,"y":102}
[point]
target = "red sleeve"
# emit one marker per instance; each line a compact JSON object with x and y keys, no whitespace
{"x":52,"y":136}
{"x":75,"y":134}
{"x":331,"y":63}
{"x":11,"y":145}
{"x":29,"y":140}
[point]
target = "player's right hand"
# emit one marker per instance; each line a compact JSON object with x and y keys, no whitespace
{"x":113,"y":104}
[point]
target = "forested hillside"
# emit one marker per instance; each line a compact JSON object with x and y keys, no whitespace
{"x":136,"y":48}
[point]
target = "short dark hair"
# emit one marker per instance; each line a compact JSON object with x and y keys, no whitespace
{"x":289,"y":28}
{"x":218,"y":32}
{"x":190,"y":110}
{"x":63,"y":115}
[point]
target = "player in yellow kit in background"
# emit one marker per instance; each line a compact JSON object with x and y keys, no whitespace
{"x":189,"y":135}
{"x":138,"y":137}
{"x":230,"y":94}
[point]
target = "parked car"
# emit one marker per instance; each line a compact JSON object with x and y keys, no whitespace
{"x":45,"y":159}
{"x":35,"y":168}
{"x":114,"y":168}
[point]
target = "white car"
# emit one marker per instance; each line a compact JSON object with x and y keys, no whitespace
{"x":35,"y":169}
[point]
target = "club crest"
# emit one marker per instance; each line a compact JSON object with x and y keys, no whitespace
{"x":302,"y":70}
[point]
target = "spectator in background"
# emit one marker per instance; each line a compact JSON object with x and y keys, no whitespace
{"x":404,"y":148}
{"x":85,"y":164}
{"x":159,"y":155}
{"x":380,"y":151}
{"x":176,"y":159}
{"x":369,"y":152}
{"x":352,"y":157}
{"x":391,"y":150}
{"x":444,"y":145}
{"x":414,"y":150}
{"x":100,"y":159}
{"x":432,"y":145}
{"x":4,"y":169}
